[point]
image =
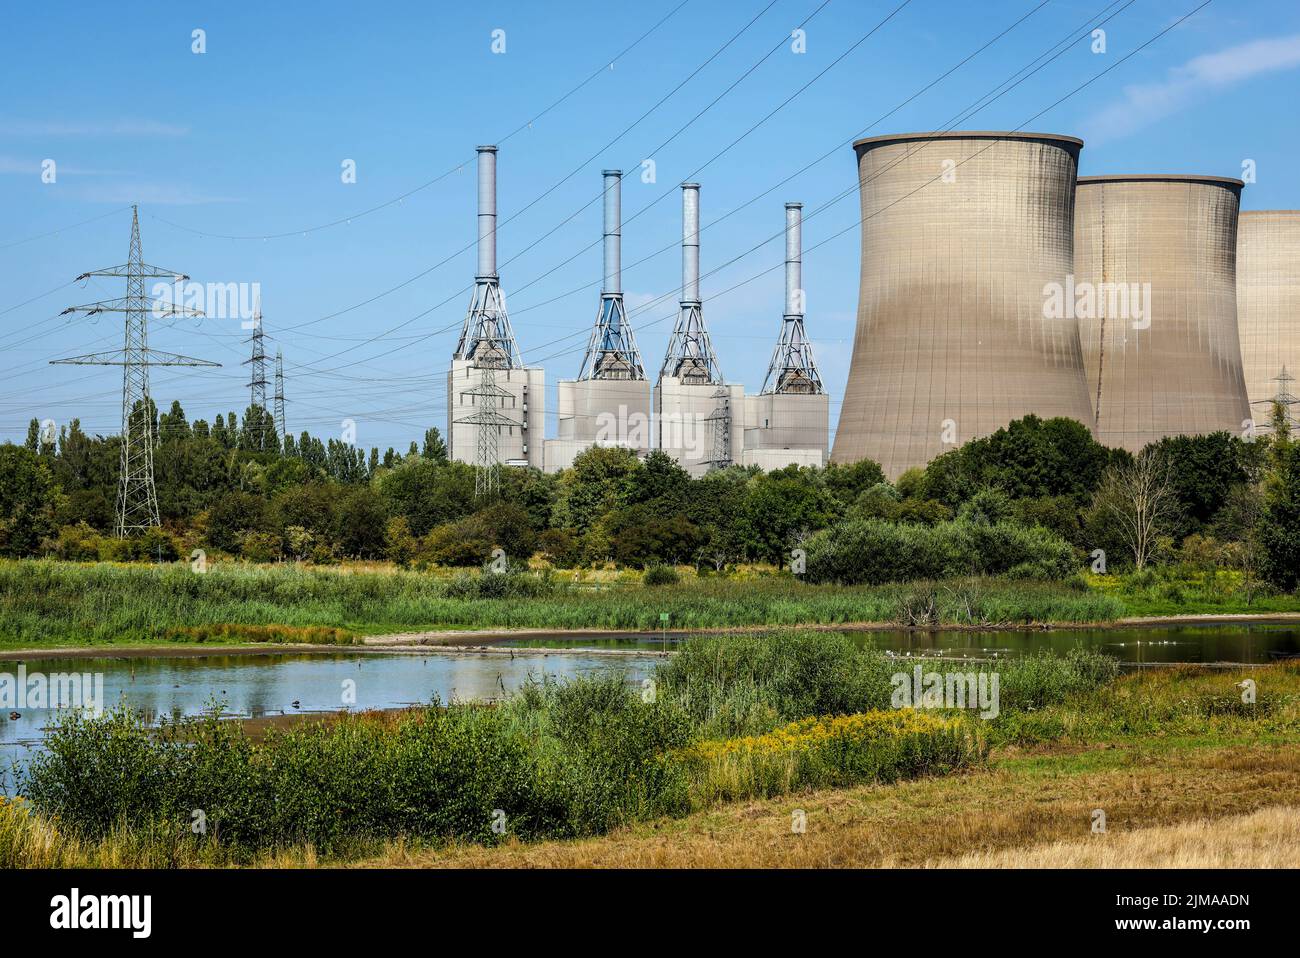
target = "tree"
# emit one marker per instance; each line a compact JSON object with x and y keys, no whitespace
{"x":434,"y":447}
{"x":595,"y":486}
{"x":232,"y":515}
{"x":1028,"y":458}
{"x":359,"y":524}
{"x":426,"y":493}
{"x":1139,"y":502}
{"x":1203,"y":470}
{"x":847,"y":483}
{"x":28,"y":501}
{"x":1279,"y":526}
{"x":660,"y":482}
{"x":780,"y":509}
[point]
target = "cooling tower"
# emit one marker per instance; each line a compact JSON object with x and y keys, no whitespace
{"x":1155,"y":293}
{"x":1268,"y":305}
{"x":961,"y":233}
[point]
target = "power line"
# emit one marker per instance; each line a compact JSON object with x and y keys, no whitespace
{"x":605,"y":67}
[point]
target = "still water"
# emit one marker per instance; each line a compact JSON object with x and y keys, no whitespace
{"x":257,"y":686}
{"x":1255,"y":642}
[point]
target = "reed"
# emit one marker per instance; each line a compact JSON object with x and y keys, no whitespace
{"x":49,"y":603}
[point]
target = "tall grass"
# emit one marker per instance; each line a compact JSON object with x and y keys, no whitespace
{"x":46,"y":603}
{"x":749,"y":684}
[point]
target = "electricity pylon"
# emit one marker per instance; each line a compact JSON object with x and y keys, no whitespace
{"x":1283,"y":403}
{"x":257,"y":382}
{"x":720,"y":419}
{"x":487,"y":422}
{"x":137,"y":498}
{"x":279,"y":398}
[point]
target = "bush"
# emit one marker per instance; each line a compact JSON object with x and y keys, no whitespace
{"x":748,"y":684}
{"x":660,"y":575}
{"x":75,"y":543}
{"x":567,"y":760}
{"x":871,"y":551}
{"x":827,"y":752}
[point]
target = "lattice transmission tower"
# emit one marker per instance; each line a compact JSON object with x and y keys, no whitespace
{"x":257,"y":380}
{"x":720,"y":420}
{"x":137,"y":497}
{"x":1285,"y":400}
{"x":280,"y":429}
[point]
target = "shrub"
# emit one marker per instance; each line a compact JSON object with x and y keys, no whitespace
{"x":748,"y":683}
{"x":824,"y":752}
{"x":75,"y":543}
{"x":660,"y":575}
{"x":871,"y":551}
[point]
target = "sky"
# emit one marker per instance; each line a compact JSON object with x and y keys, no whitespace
{"x":238,"y":158}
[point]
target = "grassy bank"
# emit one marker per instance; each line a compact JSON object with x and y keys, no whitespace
{"x":555,"y":761}
{"x":702,"y":773}
{"x":48,"y":603}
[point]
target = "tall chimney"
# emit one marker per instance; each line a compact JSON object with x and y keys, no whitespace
{"x":613,"y":231}
{"x":487,"y":211}
{"x":793,"y":259}
{"x":690,"y":242}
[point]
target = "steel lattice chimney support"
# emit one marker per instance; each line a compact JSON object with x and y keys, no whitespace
{"x":613,"y":231}
{"x":487,"y":211}
{"x":794,"y":259}
{"x":690,"y":242}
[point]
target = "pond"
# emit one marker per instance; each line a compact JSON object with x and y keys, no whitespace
{"x":266,"y":685}
{"x":1253,"y":642}
{"x":274,"y":684}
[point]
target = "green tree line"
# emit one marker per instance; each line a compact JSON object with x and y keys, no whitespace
{"x":231,"y":488}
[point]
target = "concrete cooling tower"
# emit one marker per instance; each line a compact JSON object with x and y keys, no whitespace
{"x":1268,"y":306}
{"x":961,"y":234}
{"x":1155,"y":291}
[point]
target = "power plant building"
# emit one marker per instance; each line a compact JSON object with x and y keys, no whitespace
{"x":1155,"y":291}
{"x":495,"y":405}
{"x":788,"y":422}
{"x":961,"y":235}
{"x":609,"y":403}
{"x":1268,"y":309}
{"x":699,"y":418}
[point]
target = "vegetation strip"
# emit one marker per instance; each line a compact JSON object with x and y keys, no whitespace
{"x":732,"y":718}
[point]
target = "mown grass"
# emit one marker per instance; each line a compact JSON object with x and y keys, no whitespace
{"x":48,"y":603}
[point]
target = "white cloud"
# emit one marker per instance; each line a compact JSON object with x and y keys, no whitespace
{"x":32,"y":167}
{"x":152,"y":194}
{"x":1145,"y":103}
{"x":125,"y":127}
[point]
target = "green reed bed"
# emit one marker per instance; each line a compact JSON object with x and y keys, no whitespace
{"x":46,"y":603}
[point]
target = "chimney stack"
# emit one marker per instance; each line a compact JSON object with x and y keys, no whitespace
{"x":613,"y":231}
{"x":690,"y":242}
{"x":487,"y":211}
{"x":793,"y":259}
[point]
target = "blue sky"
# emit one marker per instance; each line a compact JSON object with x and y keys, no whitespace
{"x":248,"y":140}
